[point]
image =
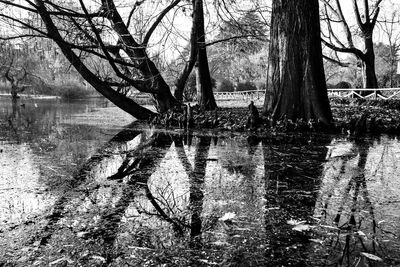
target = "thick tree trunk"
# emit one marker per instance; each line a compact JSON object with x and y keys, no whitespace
{"x":298,"y":87}
{"x":207,"y":100}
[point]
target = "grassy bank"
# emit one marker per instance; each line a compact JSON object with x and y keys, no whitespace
{"x":67,"y":91}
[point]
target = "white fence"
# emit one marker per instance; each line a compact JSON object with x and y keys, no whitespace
{"x":366,"y":93}
{"x":241,"y":95}
{"x":370,"y":93}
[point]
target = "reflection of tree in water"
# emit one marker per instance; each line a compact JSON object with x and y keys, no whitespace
{"x":351,"y":230}
{"x":60,"y":148}
{"x":291,"y":170}
{"x":233,"y":158}
{"x":32,"y":120}
{"x":135,"y":166}
{"x":196,"y":179}
{"x":138,"y":166}
{"x":26,"y":120}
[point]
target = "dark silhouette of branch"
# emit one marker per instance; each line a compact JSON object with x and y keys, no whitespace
{"x":352,"y":50}
{"x":342,"y":64}
{"x":158,"y":20}
{"x":137,"y":4}
{"x":238,"y":37}
{"x":137,"y":84}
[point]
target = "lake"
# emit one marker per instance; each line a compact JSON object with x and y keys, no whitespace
{"x":81,"y":185}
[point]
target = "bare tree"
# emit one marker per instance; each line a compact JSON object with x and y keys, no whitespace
{"x":389,"y":26}
{"x":343,"y":41}
{"x":16,"y":77}
{"x":100,"y":31}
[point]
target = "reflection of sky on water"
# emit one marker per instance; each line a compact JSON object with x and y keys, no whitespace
{"x":21,"y":193}
{"x":359,"y":197}
{"x":40,"y":147}
{"x":232,"y":195}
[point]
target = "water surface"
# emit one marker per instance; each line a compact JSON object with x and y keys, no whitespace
{"x":78,"y":192}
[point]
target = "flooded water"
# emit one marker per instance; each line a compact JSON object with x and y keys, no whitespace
{"x":79,"y":189}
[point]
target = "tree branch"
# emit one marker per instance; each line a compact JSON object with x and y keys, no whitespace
{"x":158,"y":20}
{"x":358,"y":53}
{"x":137,"y":3}
{"x":358,"y":16}
{"x":124,"y":103}
{"x":236,"y":37}
{"x":366,"y":11}
{"x":341,"y":64}
{"x":375,"y":17}
{"x":137,"y":84}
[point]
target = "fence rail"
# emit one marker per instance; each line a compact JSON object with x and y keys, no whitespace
{"x":241,"y":95}
{"x":370,"y":93}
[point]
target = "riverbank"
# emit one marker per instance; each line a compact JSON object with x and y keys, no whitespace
{"x":351,"y":116}
{"x":29,"y":96}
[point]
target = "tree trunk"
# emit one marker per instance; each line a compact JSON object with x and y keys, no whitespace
{"x":207,"y":100}
{"x":194,"y":48}
{"x":369,"y":75}
{"x":154,"y":82}
{"x":198,"y":87}
{"x":14,"y":91}
{"x":298,"y":86}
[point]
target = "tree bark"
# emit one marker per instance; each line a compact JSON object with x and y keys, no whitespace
{"x":369,"y":74}
{"x":151,"y":80}
{"x":103,"y":88}
{"x":207,"y":100}
{"x":194,"y":48}
{"x":137,"y":53}
{"x":298,"y":88}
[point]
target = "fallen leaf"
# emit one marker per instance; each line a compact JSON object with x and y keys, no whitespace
{"x":82,"y":234}
{"x":139,"y":248}
{"x":361,"y":233}
{"x":208,"y":262}
{"x":319,"y":241}
{"x":329,"y":227}
{"x":220,"y":243}
{"x":302,"y":227}
{"x":242,"y":229}
{"x":295,"y":222}
{"x":227,"y":216}
{"x":371,"y":256}
{"x":57,"y":261}
{"x":99,"y":258}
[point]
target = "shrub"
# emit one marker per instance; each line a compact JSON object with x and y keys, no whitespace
{"x":190,"y":92}
{"x":225,"y":86}
{"x":343,"y":85}
{"x":330,"y":86}
{"x":70,"y":91}
{"x":246,"y":86}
